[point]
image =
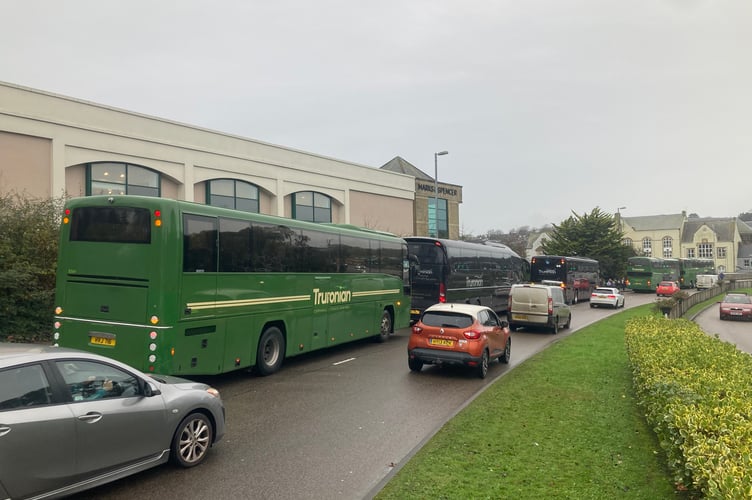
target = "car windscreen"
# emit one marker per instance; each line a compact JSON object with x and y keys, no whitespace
{"x":446,"y":319}
{"x":738,"y":299}
{"x":604,"y":290}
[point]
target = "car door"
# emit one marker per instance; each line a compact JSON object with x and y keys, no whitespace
{"x":115,"y":424}
{"x":494,"y":332}
{"x":37,"y":433}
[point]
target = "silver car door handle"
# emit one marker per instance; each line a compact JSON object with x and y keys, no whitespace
{"x":4,"y":429}
{"x":91,"y":417}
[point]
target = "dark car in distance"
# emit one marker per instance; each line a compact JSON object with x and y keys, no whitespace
{"x":736,"y":306}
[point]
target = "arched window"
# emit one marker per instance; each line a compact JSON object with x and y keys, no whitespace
{"x":668,"y":247}
{"x":627,"y":242}
{"x":230,"y":193}
{"x":311,"y":206}
{"x":647,"y":246}
{"x":121,"y":178}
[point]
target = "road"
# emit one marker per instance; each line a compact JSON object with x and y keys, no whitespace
{"x":333,"y":424}
{"x":738,"y":333}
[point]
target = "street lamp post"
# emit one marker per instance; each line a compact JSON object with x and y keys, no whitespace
{"x":436,"y":189}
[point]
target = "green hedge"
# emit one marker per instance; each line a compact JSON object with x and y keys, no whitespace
{"x":696,"y":391}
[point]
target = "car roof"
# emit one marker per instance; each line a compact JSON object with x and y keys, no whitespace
{"x":472,"y":309}
{"x":12,"y":353}
{"x":607,"y":288}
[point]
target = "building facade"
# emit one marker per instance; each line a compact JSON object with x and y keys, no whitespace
{"x":427,"y":221}
{"x":726,"y":240}
{"x":52,"y":145}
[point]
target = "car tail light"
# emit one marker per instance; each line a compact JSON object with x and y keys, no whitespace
{"x":442,"y":292}
{"x":417,"y":330}
{"x":593,"y":294}
{"x":612,"y":296}
{"x":550,"y":305}
{"x":471,"y":334}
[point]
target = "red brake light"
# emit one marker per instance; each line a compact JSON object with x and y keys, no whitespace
{"x":442,"y":293}
{"x":550,"y":305}
{"x":471,"y":334}
{"x":417,"y":330}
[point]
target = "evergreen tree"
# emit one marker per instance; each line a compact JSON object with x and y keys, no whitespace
{"x":595,"y":235}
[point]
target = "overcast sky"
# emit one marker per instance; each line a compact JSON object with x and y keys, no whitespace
{"x":545,"y":106}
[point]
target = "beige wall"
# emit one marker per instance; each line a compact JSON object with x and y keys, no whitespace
{"x":46,"y":140}
{"x":393,"y":215}
{"x":25,"y":164}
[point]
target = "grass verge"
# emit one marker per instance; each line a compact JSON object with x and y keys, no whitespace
{"x":563,"y":424}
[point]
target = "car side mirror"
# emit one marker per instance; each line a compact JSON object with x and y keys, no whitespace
{"x":505,"y":324}
{"x":148,"y":389}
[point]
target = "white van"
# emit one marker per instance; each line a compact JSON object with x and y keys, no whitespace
{"x":706,"y":281}
{"x":538,"y":305}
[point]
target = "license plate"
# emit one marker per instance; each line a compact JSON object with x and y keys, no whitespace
{"x":102,"y":341}
{"x":735,"y":313}
{"x":519,"y":316}
{"x":442,"y":342}
{"x":415,"y":311}
{"x":602,"y":296}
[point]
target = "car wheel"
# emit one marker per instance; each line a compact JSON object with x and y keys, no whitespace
{"x":513,"y":327}
{"x":415,"y":364}
{"x":192,"y":440}
{"x":568,"y":323}
{"x":483,"y":366}
{"x":592,"y":306}
{"x":555,"y":328}
{"x":504,"y":358}
{"x":386,"y":326}
{"x":271,"y":351}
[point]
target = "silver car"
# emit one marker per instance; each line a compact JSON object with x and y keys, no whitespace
{"x":71,"y":420}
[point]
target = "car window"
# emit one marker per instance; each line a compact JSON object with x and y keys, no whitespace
{"x":604,"y":290}
{"x":557,"y":295}
{"x":23,"y":387}
{"x":446,"y":319}
{"x":492,"y":319}
{"x":738,"y":299}
{"x":89,"y":380}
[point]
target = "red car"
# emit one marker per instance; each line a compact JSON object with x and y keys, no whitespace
{"x":459,"y":334}
{"x":736,"y":306}
{"x":667,"y":288}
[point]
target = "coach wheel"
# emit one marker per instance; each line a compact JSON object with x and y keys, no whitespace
{"x":576,"y":297}
{"x":271,"y":351}
{"x":386,"y":326}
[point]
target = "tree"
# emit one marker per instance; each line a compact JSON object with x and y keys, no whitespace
{"x":595,"y":235}
{"x":29,"y":231}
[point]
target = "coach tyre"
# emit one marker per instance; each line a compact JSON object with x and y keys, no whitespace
{"x":271,"y":351}
{"x":192,"y":440}
{"x":386,"y":326}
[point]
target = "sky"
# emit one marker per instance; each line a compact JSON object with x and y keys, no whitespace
{"x":547,"y":108}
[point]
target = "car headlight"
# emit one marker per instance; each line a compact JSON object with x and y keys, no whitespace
{"x":212,"y":391}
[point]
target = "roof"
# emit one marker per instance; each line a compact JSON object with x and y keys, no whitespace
{"x":724,"y":228}
{"x":471,"y":309}
{"x":402,"y":166}
{"x":655,"y":222}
